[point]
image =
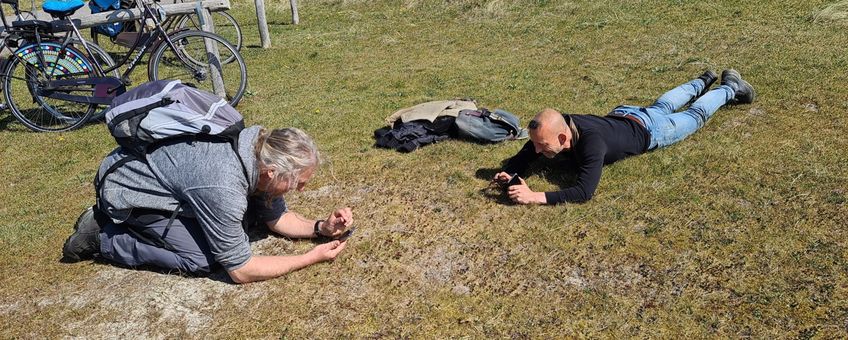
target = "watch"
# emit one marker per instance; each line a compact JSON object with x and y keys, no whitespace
{"x":317,"y":230}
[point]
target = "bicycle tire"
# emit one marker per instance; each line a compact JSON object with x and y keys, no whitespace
{"x":38,"y":113}
{"x":225,"y":26}
{"x":186,"y":62}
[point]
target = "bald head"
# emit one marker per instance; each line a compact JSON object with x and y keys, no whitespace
{"x":548,"y":121}
{"x":549,"y":133}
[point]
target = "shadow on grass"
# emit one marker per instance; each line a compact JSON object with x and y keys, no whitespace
{"x":216,"y":273}
{"x":560,"y":171}
{"x":7,"y":121}
{"x":493,"y":192}
{"x":279,"y":23}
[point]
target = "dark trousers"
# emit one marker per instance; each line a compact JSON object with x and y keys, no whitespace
{"x":189,"y":251}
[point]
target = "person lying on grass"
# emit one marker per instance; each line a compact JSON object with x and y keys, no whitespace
{"x":136,"y":222}
{"x":594,"y":141}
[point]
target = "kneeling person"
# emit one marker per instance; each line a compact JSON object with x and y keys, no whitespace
{"x":188,"y":207}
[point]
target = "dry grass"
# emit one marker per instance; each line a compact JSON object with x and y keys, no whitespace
{"x":836,"y":12}
{"x":736,"y":232}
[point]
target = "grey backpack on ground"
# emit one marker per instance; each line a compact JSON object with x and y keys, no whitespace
{"x":487,"y":126}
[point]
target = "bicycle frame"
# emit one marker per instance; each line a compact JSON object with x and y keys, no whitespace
{"x":149,"y":42}
{"x":103,"y":87}
{"x":54,"y":86}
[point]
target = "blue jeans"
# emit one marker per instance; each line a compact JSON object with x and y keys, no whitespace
{"x":667,"y":126}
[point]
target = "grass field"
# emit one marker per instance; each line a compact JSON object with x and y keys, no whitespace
{"x":738,"y":231}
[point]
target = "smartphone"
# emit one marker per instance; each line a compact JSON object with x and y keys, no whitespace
{"x":347,"y":234}
{"x":515,"y":180}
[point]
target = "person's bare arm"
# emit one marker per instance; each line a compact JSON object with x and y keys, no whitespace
{"x":259,"y":268}
{"x":294,"y":225}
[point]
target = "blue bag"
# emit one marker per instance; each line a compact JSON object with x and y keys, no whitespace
{"x":98,"y":6}
{"x":486,"y":126}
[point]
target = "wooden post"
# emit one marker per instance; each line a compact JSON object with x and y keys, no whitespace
{"x":295,"y":16}
{"x":213,"y":56}
{"x":263,"y":24}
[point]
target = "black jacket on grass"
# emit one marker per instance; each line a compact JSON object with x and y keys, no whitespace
{"x":600,"y":141}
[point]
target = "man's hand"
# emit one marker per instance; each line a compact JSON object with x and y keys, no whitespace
{"x":501,"y":177}
{"x":260,"y":268}
{"x":327,"y":251}
{"x":337,"y":223}
{"x":521,"y":194}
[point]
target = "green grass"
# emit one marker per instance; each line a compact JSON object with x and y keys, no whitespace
{"x":737,"y":231}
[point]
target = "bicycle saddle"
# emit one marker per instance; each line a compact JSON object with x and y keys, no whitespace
{"x":61,"y":8}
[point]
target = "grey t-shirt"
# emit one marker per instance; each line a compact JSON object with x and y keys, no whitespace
{"x":208,"y":179}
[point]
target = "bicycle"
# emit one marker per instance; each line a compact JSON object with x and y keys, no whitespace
{"x":63,"y":83}
{"x":43,"y":113}
{"x":225,"y":26}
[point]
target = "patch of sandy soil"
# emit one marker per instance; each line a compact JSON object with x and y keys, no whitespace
{"x":147,"y":304}
{"x":162,"y":300}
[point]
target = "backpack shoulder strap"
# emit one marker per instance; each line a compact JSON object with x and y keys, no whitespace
{"x":516,"y":131}
{"x":98,"y":185}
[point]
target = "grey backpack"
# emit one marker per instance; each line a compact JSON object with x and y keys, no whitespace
{"x":165,"y":109}
{"x":487,"y":126}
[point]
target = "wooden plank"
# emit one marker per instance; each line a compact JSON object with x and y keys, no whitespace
{"x":264,"y":35}
{"x":89,"y":20}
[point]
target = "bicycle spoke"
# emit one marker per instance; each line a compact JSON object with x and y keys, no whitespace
{"x":225,"y":25}
{"x":28,"y":93}
{"x":191,"y":63}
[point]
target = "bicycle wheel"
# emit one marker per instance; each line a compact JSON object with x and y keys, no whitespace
{"x":225,"y":26}
{"x":26,"y":81}
{"x":98,"y":55}
{"x":189,"y":62}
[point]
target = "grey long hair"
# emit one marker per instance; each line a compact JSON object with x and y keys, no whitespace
{"x":287,"y":152}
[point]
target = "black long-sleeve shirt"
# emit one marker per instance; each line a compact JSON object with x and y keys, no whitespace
{"x":603,"y":140}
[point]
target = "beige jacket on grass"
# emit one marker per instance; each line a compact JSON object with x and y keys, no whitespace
{"x":431,"y":110}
